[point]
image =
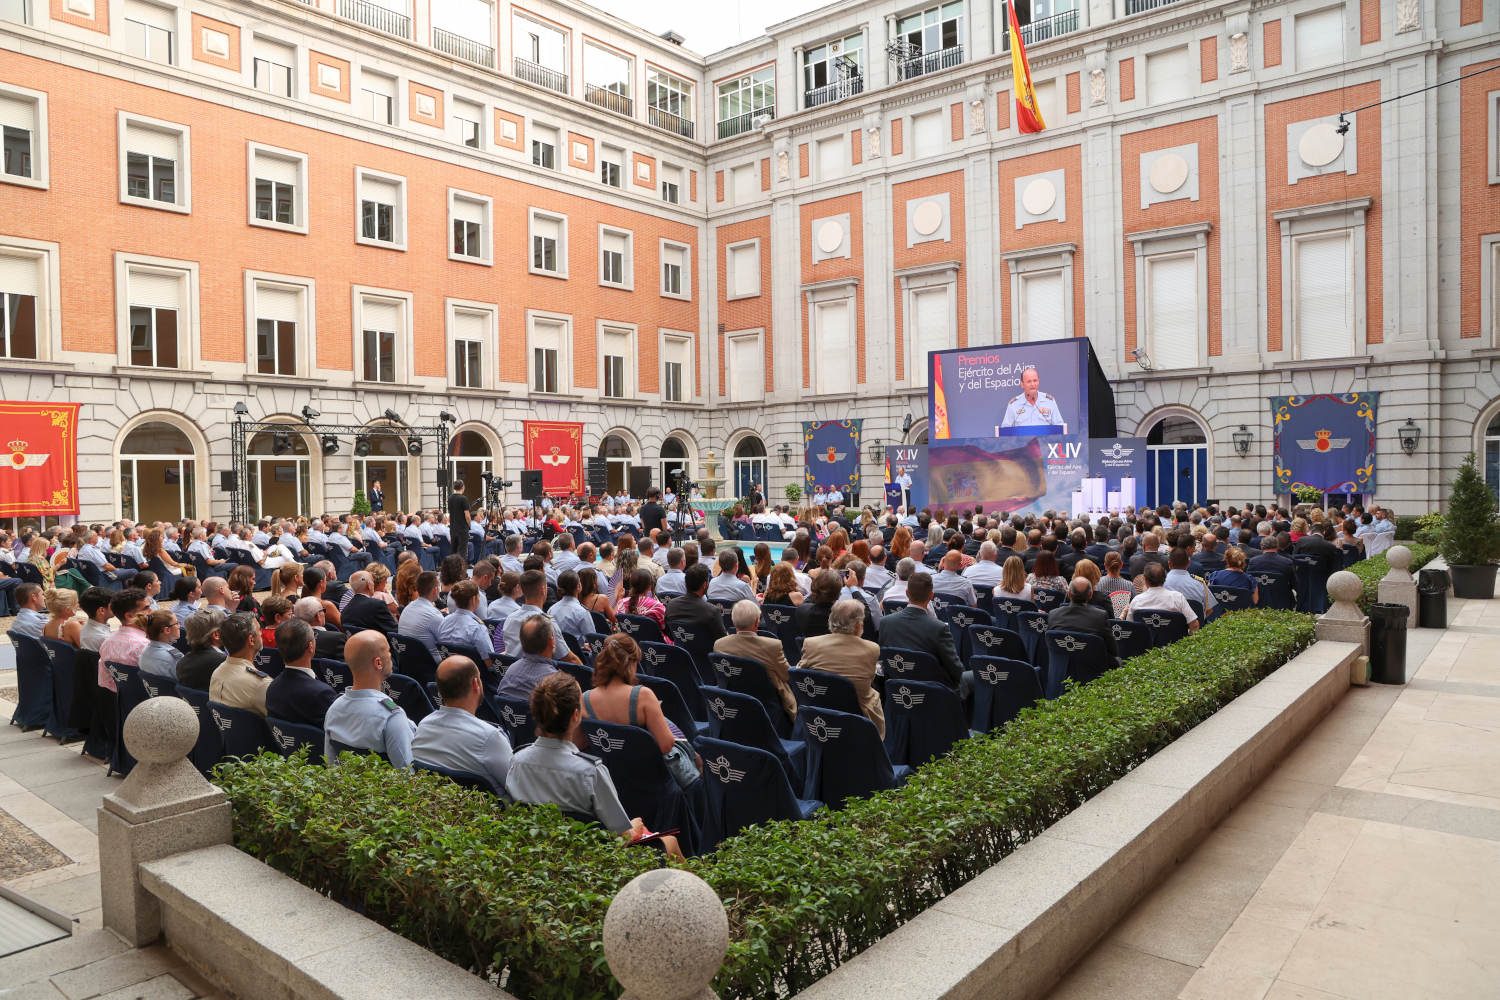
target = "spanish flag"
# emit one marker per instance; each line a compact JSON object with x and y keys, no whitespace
{"x":939,"y":401}
{"x":1028,"y":115}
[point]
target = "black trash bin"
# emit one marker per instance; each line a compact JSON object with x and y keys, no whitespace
{"x":1388,"y":643}
{"x":1432,"y":598}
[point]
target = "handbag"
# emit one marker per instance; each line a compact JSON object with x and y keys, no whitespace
{"x":682,"y":763}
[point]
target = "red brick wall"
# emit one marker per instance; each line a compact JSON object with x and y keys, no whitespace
{"x":896,"y":137}
{"x":1271,"y":46}
{"x":1039,"y":234}
{"x":1369,"y":22}
{"x":956,"y":121}
{"x":1075,"y":95}
{"x":1469,"y":11}
{"x":929,"y":252}
{"x":837,"y":267}
{"x":856,"y":148}
{"x":751,"y":313}
{"x":1127,"y":79}
{"x":1208,"y":58}
{"x":1002,"y":110}
{"x":1479,"y":198}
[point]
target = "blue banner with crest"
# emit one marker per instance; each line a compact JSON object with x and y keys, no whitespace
{"x":831,"y":456}
{"x":1325,"y":441}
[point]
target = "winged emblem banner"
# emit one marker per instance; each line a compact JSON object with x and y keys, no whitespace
{"x":1326,"y":441}
{"x":556,"y":448}
{"x":831,"y":456}
{"x":38,"y":459}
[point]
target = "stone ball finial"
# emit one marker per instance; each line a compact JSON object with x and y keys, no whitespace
{"x":1344,"y":587}
{"x":1398,"y":557}
{"x":161,"y":730}
{"x":665,"y":936}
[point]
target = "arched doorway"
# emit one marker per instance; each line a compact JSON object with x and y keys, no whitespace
{"x":615,"y":451}
{"x":675,"y":462}
{"x":749,"y":465}
{"x":917,"y":432}
{"x":158,"y":474}
{"x":278,"y":467}
{"x":385,"y":460}
{"x":471,"y":457}
{"x":1491,"y":445}
{"x":1176,"y":461}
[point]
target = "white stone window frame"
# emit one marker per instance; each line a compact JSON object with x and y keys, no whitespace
{"x":189,"y":331}
{"x":689,"y":372}
{"x":180,"y":16}
{"x":404,"y":338}
{"x":826,"y":293}
{"x":666,"y":246}
{"x":564,"y":352}
{"x":1492,"y":134}
{"x":1173,"y":241}
{"x":398,"y":219}
{"x":45,"y":255}
{"x":758,"y":336}
{"x":459,"y":102}
{"x":1032,"y":262}
{"x":632,"y":355}
{"x":925,"y":278}
{"x":486,"y":256}
{"x":298,"y":56}
{"x":488,"y":344}
{"x":184,"y":164}
{"x":301,"y":201}
{"x":532,"y":215}
{"x":732,"y":292}
{"x":1322,"y":220}
{"x":1489,"y":289}
{"x":307,"y":331}
{"x":40,"y":162}
{"x":627,"y":281}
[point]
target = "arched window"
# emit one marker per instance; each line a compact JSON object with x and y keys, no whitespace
{"x":1176,"y":462}
{"x":674,"y":461}
{"x":750,"y":465}
{"x":158,"y":474}
{"x":279,"y":475}
{"x":616,"y":453}
{"x":1492,"y":454}
{"x":388,"y":463}
{"x":471,"y":457}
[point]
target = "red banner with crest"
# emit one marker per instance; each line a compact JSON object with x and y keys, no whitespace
{"x":38,"y":459}
{"x":556,"y":448}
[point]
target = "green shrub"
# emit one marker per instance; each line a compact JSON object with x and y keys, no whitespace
{"x":793,"y":494}
{"x":524,"y":890}
{"x":1472,"y":533}
{"x":1410,"y":526}
{"x":1309,"y":494}
{"x":361,"y":505}
{"x":1429,"y":529}
{"x":1370,"y":571}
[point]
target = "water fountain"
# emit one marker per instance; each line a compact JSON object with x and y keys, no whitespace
{"x":711,"y":503}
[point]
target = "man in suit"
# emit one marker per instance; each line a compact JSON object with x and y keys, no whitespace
{"x":1150,"y":546}
{"x":913,"y":628}
{"x":1209,"y":560}
{"x":364,"y":610}
{"x":1271,"y":560}
{"x":296,"y":694}
{"x":328,"y":643}
{"x":748,"y":643}
{"x":1320,"y":543}
{"x":1007,"y":545}
{"x":843,"y":651}
{"x":692,"y":608}
{"x":1079,"y":615}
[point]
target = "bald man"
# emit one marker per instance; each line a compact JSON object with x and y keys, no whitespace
{"x":363,"y":717}
{"x":453,"y":737}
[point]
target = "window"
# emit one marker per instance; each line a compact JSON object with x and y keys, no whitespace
{"x":1042,"y":307}
{"x":1324,"y":296}
{"x":615,"y":265}
{"x":278,"y":311}
{"x":930,"y":40}
{"x":671,"y":102}
{"x":675,"y":280}
{"x":155,"y":163}
{"x":1041,"y":292}
{"x":466,"y":123}
{"x":155,"y":305}
{"x":617,"y":349}
{"x":833,"y":71}
{"x":469,"y":219}
{"x":745,"y":182}
{"x":278,"y":185}
{"x":746,"y":98}
{"x":18,"y":298}
{"x":677,"y":369}
{"x":930,"y":327}
{"x":470,"y":331}
{"x":744,"y":368}
{"x":750,"y":466}
{"x":1171,"y":335}
{"x":611,"y":165}
{"x":606,"y":79}
{"x":23,"y":158}
{"x":544,"y":146}
{"x":833,"y":347}
{"x":17,"y":11}
{"x":149,"y":31}
{"x":158,"y":473}
{"x":743,"y":269}
{"x":1320,"y":38}
{"x":671,"y":185}
{"x":927,"y":133}
{"x":549,"y":251}
{"x":378,"y":97}
{"x":272,"y":67}
{"x":1169,"y":76}
{"x":382,"y":326}
{"x":382,"y":209}
{"x":541,"y":53}
{"x":549,"y":350}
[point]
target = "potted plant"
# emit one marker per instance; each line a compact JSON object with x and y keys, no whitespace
{"x":1471,"y":539}
{"x":793,"y":494}
{"x":361,"y":505}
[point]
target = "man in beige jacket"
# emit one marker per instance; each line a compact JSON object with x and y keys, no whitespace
{"x":843,"y":652}
{"x":747,"y":643}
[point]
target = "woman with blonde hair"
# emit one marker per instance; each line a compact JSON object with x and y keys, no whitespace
{"x":1013,"y":580}
{"x":63,"y":625}
{"x":286,"y":581}
{"x":1087,"y":569}
{"x":381,"y":573}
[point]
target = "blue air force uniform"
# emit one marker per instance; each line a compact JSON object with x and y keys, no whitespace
{"x":1043,"y":413}
{"x":370,"y":720}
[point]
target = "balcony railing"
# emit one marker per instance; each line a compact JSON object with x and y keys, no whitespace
{"x":1044,"y":28}
{"x":609,"y":100}
{"x":1141,"y":6}
{"x":929,"y":62}
{"x":463,"y":48}
{"x":670,"y":122}
{"x":739,"y":124}
{"x":375,"y":16}
{"x":540,"y":75}
{"x":836,"y":91}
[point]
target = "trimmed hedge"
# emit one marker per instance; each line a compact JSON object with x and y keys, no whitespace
{"x":1372,"y":570}
{"x":525,"y":890}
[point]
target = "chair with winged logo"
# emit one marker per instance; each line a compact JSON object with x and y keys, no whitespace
{"x":741,"y":718}
{"x":897,"y":664}
{"x":674,"y":664}
{"x":1002,"y":688}
{"x":845,"y":757}
{"x":746,"y":786}
{"x":289,"y":737}
{"x":1166,"y":626}
{"x":747,"y":676}
{"x":1079,"y":655}
{"x":1007,"y":611}
{"x":922,"y":721}
{"x":645,"y":787}
{"x":1131,"y":638}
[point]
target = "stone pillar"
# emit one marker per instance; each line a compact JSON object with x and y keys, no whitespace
{"x":1344,"y":622}
{"x":665,"y":936}
{"x":164,"y":807}
{"x":1397,"y":586}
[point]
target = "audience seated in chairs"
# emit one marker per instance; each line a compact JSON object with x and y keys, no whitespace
{"x":749,"y":643}
{"x":1080,"y":615}
{"x":453,"y":737}
{"x":365,"y":610}
{"x":236,"y":682}
{"x":328,"y":643}
{"x":131,"y":607}
{"x":31,"y":619}
{"x":1158,"y":598}
{"x":161,"y":655}
{"x":62,"y":623}
{"x":463,"y":628}
{"x":534,"y":594}
{"x":693,"y":610}
{"x":421,"y":619}
{"x":845,"y":652}
{"x":913,"y":628}
{"x":617,"y":698}
{"x":537,"y":642}
{"x":364,"y":718}
{"x":95,"y":605}
{"x":297,"y":694}
{"x":195,"y":669}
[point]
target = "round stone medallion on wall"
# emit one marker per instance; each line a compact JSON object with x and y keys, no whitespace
{"x":830,"y":236}
{"x":1320,"y":145}
{"x":1169,"y":173}
{"x":1039,"y":196}
{"x":927,"y":218}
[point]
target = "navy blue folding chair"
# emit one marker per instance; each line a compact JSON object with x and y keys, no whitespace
{"x":891,"y":607}
{"x":1166,"y":626}
{"x":746,"y":787}
{"x":673,"y":706}
{"x":639,"y":627}
{"x":1033,"y":627}
{"x":778,"y":617}
{"x":674,"y":664}
{"x":1002,"y":688}
{"x":984,"y":593}
{"x":244,"y":733}
{"x":1275,"y":591}
{"x":959,"y":618}
{"x":741,"y":718}
{"x":61,"y":663}
{"x":593,"y":642}
{"x":645,"y":787}
{"x":698,"y":643}
{"x":34,"y":685}
{"x":747,"y":676}
{"x":167,"y":577}
{"x":210,"y":746}
{"x":1131,"y":638}
{"x":1352,"y":554}
{"x":897,"y":664}
{"x":993,"y":640}
{"x":845,"y":757}
{"x":1078,"y":655}
{"x":513,"y":716}
{"x":268,"y":661}
{"x":583,"y":675}
{"x":409,"y":694}
{"x":817,"y":689}
{"x":1312,"y":583}
{"x":1007,"y":611}
{"x":1046,"y":598}
{"x":922,"y":721}
{"x":413,"y":658}
{"x":335,"y":673}
{"x":130,"y":691}
{"x":1227,"y":599}
{"x":289,"y":737}
{"x":465,"y":779}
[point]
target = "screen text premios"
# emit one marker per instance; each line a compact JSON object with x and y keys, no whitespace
{"x":973,"y":373}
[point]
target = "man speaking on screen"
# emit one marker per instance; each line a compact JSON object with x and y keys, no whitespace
{"x":1032,"y":408}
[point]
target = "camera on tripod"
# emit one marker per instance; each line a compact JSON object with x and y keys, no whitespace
{"x":680,"y":483}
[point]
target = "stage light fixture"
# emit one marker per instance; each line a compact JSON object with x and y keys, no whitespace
{"x":309,"y":414}
{"x":877,"y":452}
{"x":362,"y":445}
{"x":330,"y":445}
{"x":241,"y":410}
{"x":393,"y":416}
{"x":906,"y":424}
{"x":1410,"y":435}
{"x":414,"y":447}
{"x":447,"y":417}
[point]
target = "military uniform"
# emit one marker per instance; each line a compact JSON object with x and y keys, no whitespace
{"x":237,"y":683}
{"x":1044,"y":412}
{"x":361,"y":717}
{"x":554,"y":770}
